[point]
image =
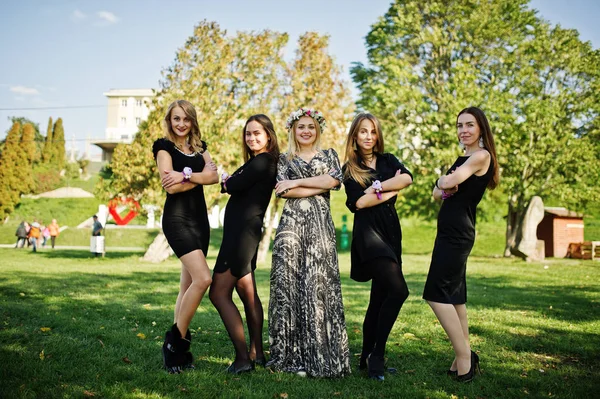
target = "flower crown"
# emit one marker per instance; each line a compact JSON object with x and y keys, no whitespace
{"x":300,"y":112}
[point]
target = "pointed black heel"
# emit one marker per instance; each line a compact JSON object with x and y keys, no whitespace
{"x":242,"y":369}
{"x":376,"y":367}
{"x":471,"y":374}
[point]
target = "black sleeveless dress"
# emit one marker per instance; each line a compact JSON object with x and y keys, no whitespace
{"x":185,"y":219}
{"x":446,"y":281}
{"x":250,"y":187}
{"x":376,"y":232}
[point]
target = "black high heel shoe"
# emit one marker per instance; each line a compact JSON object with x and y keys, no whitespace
{"x":376,"y":367}
{"x":471,"y":374}
{"x":242,"y":369}
{"x":260,"y":361}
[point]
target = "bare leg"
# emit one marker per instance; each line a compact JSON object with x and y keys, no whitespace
{"x":246,"y":289}
{"x":448,"y":316}
{"x":195,"y":264}
{"x":185,"y":280}
{"x":220,"y":294}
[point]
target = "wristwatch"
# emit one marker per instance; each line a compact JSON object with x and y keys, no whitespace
{"x":187,"y":174}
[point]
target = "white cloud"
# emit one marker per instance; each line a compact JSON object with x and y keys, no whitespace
{"x":78,"y":16}
{"x":24,"y":90}
{"x":107,"y":17}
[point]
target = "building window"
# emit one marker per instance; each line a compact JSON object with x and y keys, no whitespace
{"x":124,"y":137}
{"x":138,"y":103}
{"x":137,"y":121}
{"x":123,"y":103}
{"x":123,"y":121}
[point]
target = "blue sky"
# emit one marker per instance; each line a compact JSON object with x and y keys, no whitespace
{"x":66,"y":53}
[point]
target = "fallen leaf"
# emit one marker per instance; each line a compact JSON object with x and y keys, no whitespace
{"x":283,"y":395}
{"x":409,"y":336}
{"x":45,"y":329}
{"x":89,"y":394}
{"x":126,"y":360}
{"x":101,"y":343}
{"x":22,"y":293}
{"x":147,"y":306}
{"x":42,"y":355}
{"x":141,"y":336}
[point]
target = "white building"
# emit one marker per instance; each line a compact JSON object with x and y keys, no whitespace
{"x":127,"y":108}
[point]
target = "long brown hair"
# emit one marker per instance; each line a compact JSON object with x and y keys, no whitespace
{"x":194,"y":136}
{"x":488,"y":141}
{"x":355,"y":167}
{"x":272,"y":146}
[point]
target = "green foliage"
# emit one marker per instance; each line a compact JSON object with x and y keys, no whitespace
{"x":228,"y":79}
{"x":46,"y":178}
{"x":537,"y":84}
{"x":58,"y":140}
{"x":535,"y":329}
{"x":48,"y":152}
{"x":11,"y":161}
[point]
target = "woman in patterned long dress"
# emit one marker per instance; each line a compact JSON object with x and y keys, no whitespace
{"x":307,"y":328}
{"x":461,"y":189}
{"x":185,"y":167}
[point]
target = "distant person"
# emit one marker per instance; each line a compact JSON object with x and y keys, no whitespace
{"x":250,"y":188}
{"x":97,"y":227}
{"x":372,"y":179}
{"x":97,"y":232}
{"x":185,"y":166}
{"x":21,"y":234}
{"x":45,"y":235}
{"x":34,"y":234}
{"x":54,"y":230}
{"x":460,"y":189}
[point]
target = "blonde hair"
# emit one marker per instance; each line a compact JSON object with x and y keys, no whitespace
{"x":194,"y":136}
{"x":355,"y":167}
{"x":293,"y":143}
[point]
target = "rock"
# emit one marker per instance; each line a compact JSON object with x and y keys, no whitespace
{"x":159,"y":250}
{"x":527,"y":246}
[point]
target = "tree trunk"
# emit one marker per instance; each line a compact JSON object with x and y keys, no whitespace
{"x":265,"y":241}
{"x":159,"y":250}
{"x":511,"y":231}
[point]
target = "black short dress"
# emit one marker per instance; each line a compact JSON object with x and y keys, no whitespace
{"x":250,"y":188}
{"x":446,"y":281}
{"x":376,"y":232}
{"x":185,"y":219}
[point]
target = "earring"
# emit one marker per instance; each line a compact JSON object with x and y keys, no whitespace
{"x":481,"y":145}
{"x":461,"y":145}
{"x":354,"y":145}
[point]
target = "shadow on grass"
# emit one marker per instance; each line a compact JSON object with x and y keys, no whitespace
{"x":87,"y":255}
{"x":106,"y":329}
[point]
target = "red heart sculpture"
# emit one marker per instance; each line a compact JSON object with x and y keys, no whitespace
{"x":133,"y":205}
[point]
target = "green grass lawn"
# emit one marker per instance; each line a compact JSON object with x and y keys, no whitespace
{"x":74,"y":326}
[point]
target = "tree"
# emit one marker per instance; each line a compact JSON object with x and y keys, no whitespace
{"x":29,"y":154}
{"x":9,"y":193}
{"x":58,"y":138}
{"x":227,"y":78}
{"x":428,"y":60}
{"x":48,"y":151}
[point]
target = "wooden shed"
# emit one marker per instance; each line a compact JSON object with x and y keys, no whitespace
{"x":558,"y":229}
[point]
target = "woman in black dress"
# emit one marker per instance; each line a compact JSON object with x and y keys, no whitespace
{"x":461,"y":189}
{"x":250,"y":188}
{"x":372,"y":180}
{"x":185,"y":167}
